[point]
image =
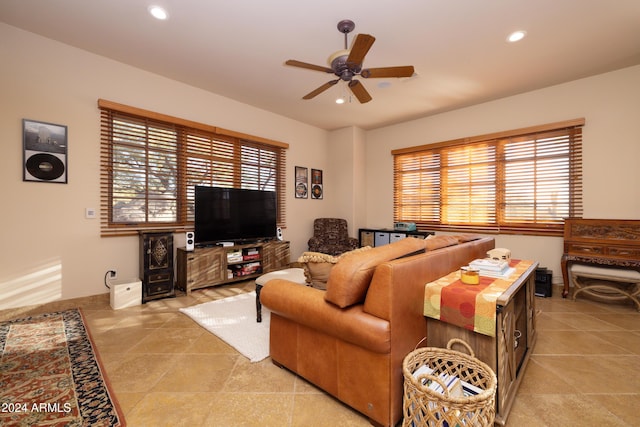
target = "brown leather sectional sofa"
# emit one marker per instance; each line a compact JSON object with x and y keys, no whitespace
{"x":351,"y":339}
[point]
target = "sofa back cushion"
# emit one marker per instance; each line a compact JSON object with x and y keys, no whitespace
{"x":440,"y":241}
{"x":463,"y":238}
{"x":350,"y":277}
{"x":317,"y":266}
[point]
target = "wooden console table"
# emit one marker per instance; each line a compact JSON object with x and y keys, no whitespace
{"x":508,"y":352}
{"x":600,"y":242}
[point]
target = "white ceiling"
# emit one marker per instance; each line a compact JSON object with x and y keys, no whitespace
{"x":458,"y":47}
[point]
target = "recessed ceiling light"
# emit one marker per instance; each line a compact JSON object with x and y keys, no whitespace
{"x":516,"y":36}
{"x":158,"y":12}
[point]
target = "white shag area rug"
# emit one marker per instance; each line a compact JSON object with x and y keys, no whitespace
{"x":233,"y":320}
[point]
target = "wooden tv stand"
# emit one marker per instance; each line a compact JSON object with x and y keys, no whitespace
{"x":215,"y":265}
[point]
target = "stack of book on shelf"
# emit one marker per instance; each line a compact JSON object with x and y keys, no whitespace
{"x":250,"y":254}
{"x":234,"y":256}
{"x":250,"y":268}
{"x":492,"y":267}
{"x":239,"y":270}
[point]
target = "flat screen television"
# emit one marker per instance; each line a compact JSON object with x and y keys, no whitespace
{"x":233,"y":215}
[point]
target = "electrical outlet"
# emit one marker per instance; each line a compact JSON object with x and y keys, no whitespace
{"x":113,"y":273}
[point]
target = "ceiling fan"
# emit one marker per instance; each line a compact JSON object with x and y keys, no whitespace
{"x":347,"y":64}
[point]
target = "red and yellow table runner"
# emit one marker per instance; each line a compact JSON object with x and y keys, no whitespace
{"x":471,"y":307}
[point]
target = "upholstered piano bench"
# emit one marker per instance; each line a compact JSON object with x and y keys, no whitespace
{"x":609,"y":284}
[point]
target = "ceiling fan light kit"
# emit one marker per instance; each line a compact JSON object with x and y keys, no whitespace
{"x":516,"y":36}
{"x":347,"y":64}
{"x":158,"y":12}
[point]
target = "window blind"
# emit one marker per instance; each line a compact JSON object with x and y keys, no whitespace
{"x":524,"y":181}
{"x":150,"y":164}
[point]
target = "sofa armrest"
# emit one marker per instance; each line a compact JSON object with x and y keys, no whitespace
{"x":306,"y":306}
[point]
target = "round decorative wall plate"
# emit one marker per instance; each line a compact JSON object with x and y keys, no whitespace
{"x":316,"y":191}
{"x":301,"y":189}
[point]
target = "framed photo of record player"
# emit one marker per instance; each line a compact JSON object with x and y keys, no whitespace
{"x":44,"y":152}
{"x":302,"y":182}
{"x":316,"y":184}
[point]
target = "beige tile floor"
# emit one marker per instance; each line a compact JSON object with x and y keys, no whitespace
{"x":167,"y":371}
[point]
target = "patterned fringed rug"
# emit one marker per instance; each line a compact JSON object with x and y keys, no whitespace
{"x":50,"y":374}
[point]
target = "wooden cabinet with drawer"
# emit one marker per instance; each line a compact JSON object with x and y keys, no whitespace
{"x":156,"y":265}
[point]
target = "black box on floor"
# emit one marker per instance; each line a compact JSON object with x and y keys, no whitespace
{"x":543,"y":282}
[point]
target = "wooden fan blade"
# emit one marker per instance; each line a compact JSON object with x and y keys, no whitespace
{"x":300,"y":64}
{"x":321,"y":89}
{"x":360,"y":47}
{"x":405,"y":71}
{"x":359,"y":91}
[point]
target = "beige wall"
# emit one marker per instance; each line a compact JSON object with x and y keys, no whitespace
{"x":50,"y":251}
{"x":348,"y":170}
{"x":610,"y":103}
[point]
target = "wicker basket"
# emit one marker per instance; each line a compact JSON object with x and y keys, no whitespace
{"x":424,"y":406}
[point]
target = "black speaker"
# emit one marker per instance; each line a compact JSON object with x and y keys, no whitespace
{"x":543,"y":282}
{"x":191,"y":240}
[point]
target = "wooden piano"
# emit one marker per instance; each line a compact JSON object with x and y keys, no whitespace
{"x":600,"y":242}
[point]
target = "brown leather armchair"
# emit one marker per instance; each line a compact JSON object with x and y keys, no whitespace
{"x":331,"y":236}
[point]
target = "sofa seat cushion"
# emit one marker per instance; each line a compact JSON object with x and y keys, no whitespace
{"x":307,"y":306}
{"x":350,"y":277}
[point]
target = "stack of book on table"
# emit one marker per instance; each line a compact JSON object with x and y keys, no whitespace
{"x":492,"y":267}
